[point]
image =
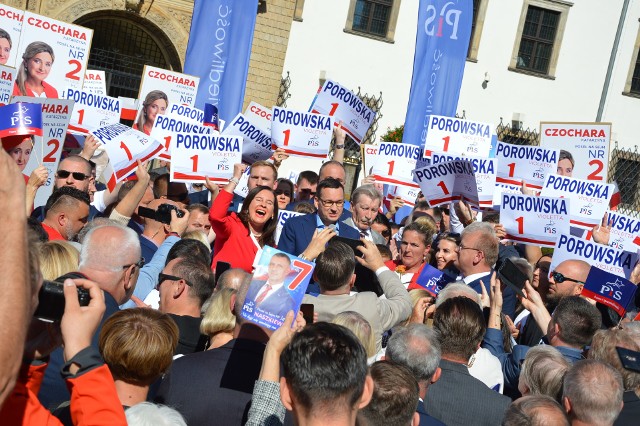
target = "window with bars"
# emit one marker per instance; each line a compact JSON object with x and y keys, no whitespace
{"x":635,"y":79}
{"x":372,"y":16}
{"x":538,"y":36}
{"x":474,"y":22}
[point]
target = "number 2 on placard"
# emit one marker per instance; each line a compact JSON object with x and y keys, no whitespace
{"x":126,"y":150}
{"x":286,"y":136}
{"x":596,"y":174}
{"x":73,"y":74}
{"x":443,"y":187}
{"x":50,"y":157}
{"x":520,"y":221}
{"x":194,"y":161}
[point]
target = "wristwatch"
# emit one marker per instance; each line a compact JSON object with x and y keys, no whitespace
{"x":339,"y":146}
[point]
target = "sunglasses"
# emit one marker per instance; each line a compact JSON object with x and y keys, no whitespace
{"x":139,"y":264}
{"x":164,"y":277}
{"x":559,"y":278}
{"x":63,"y":174}
{"x":282,"y":191}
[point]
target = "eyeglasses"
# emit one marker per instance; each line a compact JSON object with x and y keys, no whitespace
{"x":329,"y":203}
{"x":63,"y":174}
{"x":282,"y":191}
{"x":164,"y":277}
{"x":559,"y":278}
{"x":139,"y":264}
{"x":308,"y":191}
{"x":461,"y":247}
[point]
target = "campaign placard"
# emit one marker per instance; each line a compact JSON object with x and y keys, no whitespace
{"x":242,"y":188}
{"x":485,"y":172}
{"x":394,"y":162}
{"x":278,"y":286}
{"x":257,"y":142}
{"x":283,"y":216}
{"x":63,"y":69}
{"x":48,"y":148}
{"x":617,"y":262}
{"x":408,"y":194}
{"x":124,"y":147}
{"x":609,"y":289}
{"x":180,"y":88}
{"x":95,"y":83}
{"x":344,"y":106}
{"x":91,"y":111}
{"x":528,"y":219}
{"x":301,"y":134}
{"x":431,"y":279}
{"x":195,"y":156}
{"x":589,"y":200}
{"x":458,"y":136}
{"x":503,"y":188}
{"x":7,"y":77}
{"x":260,"y":115}
{"x":167,"y":127}
{"x":624,"y":233}
{"x":189,"y":113}
{"x":586,"y":147}
{"x":11,"y":22}
{"x":446,"y":182}
{"x":531,"y":164}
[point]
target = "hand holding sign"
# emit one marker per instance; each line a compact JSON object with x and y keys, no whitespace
{"x":446,"y":182}
{"x":300,"y":133}
{"x":197,"y":156}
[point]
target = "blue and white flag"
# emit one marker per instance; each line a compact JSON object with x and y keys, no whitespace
{"x":218,"y":52}
{"x":609,"y":289}
{"x":442,"y":40}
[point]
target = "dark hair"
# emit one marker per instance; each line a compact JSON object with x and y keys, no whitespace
{"x":578,"y":320}
{"x":325,"y":365}
{"x":328,"y":183}
{"x":4,"y":34}
{"x":424,"y":231}
{"x":384,"y":251}
{"x":267,"y":238}
{"x":198,"y":275}
{"x":287,"y":182}
{"x":566,"y":155}
{"x":395,"y":395}
{"x":190,"y":249}
{"x":38,"y":231}
{"x":460,"y":326}
{"x":198,"y":207}
{"x":308,"y":175}
{"x":125,"y":189}
{"x":161,"y":185}
{"x":64,"y":195}
{"x":283,"y":256}
{"x":335,"y":266}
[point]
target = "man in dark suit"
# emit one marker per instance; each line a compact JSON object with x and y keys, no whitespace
{"x":365,"y":204}
{"x":477,"y":253}
{"x":458,"y":398}
{"x":228,"y":373}
{"x":298,"y":231}
{"x":270,"y":295}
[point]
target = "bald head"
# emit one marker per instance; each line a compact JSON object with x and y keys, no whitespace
{"x":232,"y":279}
{"x":575,"y":274}
{"x":535,"y":410}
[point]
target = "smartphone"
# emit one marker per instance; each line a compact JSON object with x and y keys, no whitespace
{"x":354,"y":244}
{"x":51,"y":301}
{"x":221,"y":268}
{"x":630,"y":359}
{"x":512,"y":276}
{"x":307,"y":312}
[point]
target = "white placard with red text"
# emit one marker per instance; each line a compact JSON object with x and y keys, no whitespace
{"x":194,"y":156}
{"x":446,"y":182}
{"x":406,"y":193}
{"x":617,"y":262}
{"x":301,"y":133}
{"x":485,"y":172}
{"x":539,"y":221}
{"x":394,"y":162}
{"x":589,"y":199}
{"x":91,"y":111}
{"x":167,"y":127}
{"x":70,"y":43}
{"x":523,"y":162}
{"x":95,"y":83}
{"x":259,"y":115}
{"x":344,"y":106}
{"x":48,"y":148}
{"x":124,"y":147}
{"x":7,"y":77}
{"x":11,"y":21}
{"x":283,"y":216}
{"x":624,"y":233}
{"x":588,"y":144}
{"x":180,"y":88}
{"x":458,"y":136}
{"x":257,"y":142}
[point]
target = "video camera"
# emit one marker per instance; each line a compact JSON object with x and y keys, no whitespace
{"x":162,"y":215}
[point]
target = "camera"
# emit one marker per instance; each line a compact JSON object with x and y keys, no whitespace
{"x":162,"y":215}
{"x":51,"y":301}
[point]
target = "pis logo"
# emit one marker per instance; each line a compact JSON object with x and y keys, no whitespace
{"x":223,"y":164}
{"x":609,"y":289}
{"x":314,"y":141}
{"x":538,"y":174}
{"x":618,"y":243}
{"x":449,"y":16}
{"x":20,"y":116}
{"x":473,"y":147}
{"x":587,"y":209}
{"x":550,"y":228}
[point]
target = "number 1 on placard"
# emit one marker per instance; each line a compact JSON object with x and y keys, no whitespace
{"x":80,"y":116}
{"x":334,"y":107}
{"x":520,"y":221}
{"x":167,"y":141}
{"x":391,"y":164}
{"x":194,"y":160}
{"x":446,"y":140}
{"x":442,"y":186}
{"x":286,"y":136}
{"x":512,"y":169}
{"x":126,"y":150}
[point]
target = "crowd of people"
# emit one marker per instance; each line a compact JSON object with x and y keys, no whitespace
{"x":142,"y":290}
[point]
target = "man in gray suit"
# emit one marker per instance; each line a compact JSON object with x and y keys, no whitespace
{"x":335,"y":275}
{"x":365,"y":204}
{"x":459,"y":398}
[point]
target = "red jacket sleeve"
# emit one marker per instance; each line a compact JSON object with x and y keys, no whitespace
{"x":218,"y":216}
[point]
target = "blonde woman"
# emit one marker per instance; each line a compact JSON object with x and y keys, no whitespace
{"x":218,"y":322}
{"x":58,"y":258}
{"x":37,"y":61}
{"x":361,"y":328}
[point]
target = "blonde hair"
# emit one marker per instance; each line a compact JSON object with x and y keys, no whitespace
{"x":58,"y":258}
{"x":198,"y":236}
{"x":360,"y":327}
{"x":218,"y":317}
{"x":32,"y":50}
{"x":151,"y":97}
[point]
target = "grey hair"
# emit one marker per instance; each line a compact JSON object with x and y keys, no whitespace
{"x":415,"y":346}
{"x":107,"y":255}
{"x":594,"y":390}
{"x":543,"y":370}
{"x":367,"y":190}
{"x":148,"y":414}
{"x":488,"y":244}
{"x":535,"y":410}
{"x":459,"y":288}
